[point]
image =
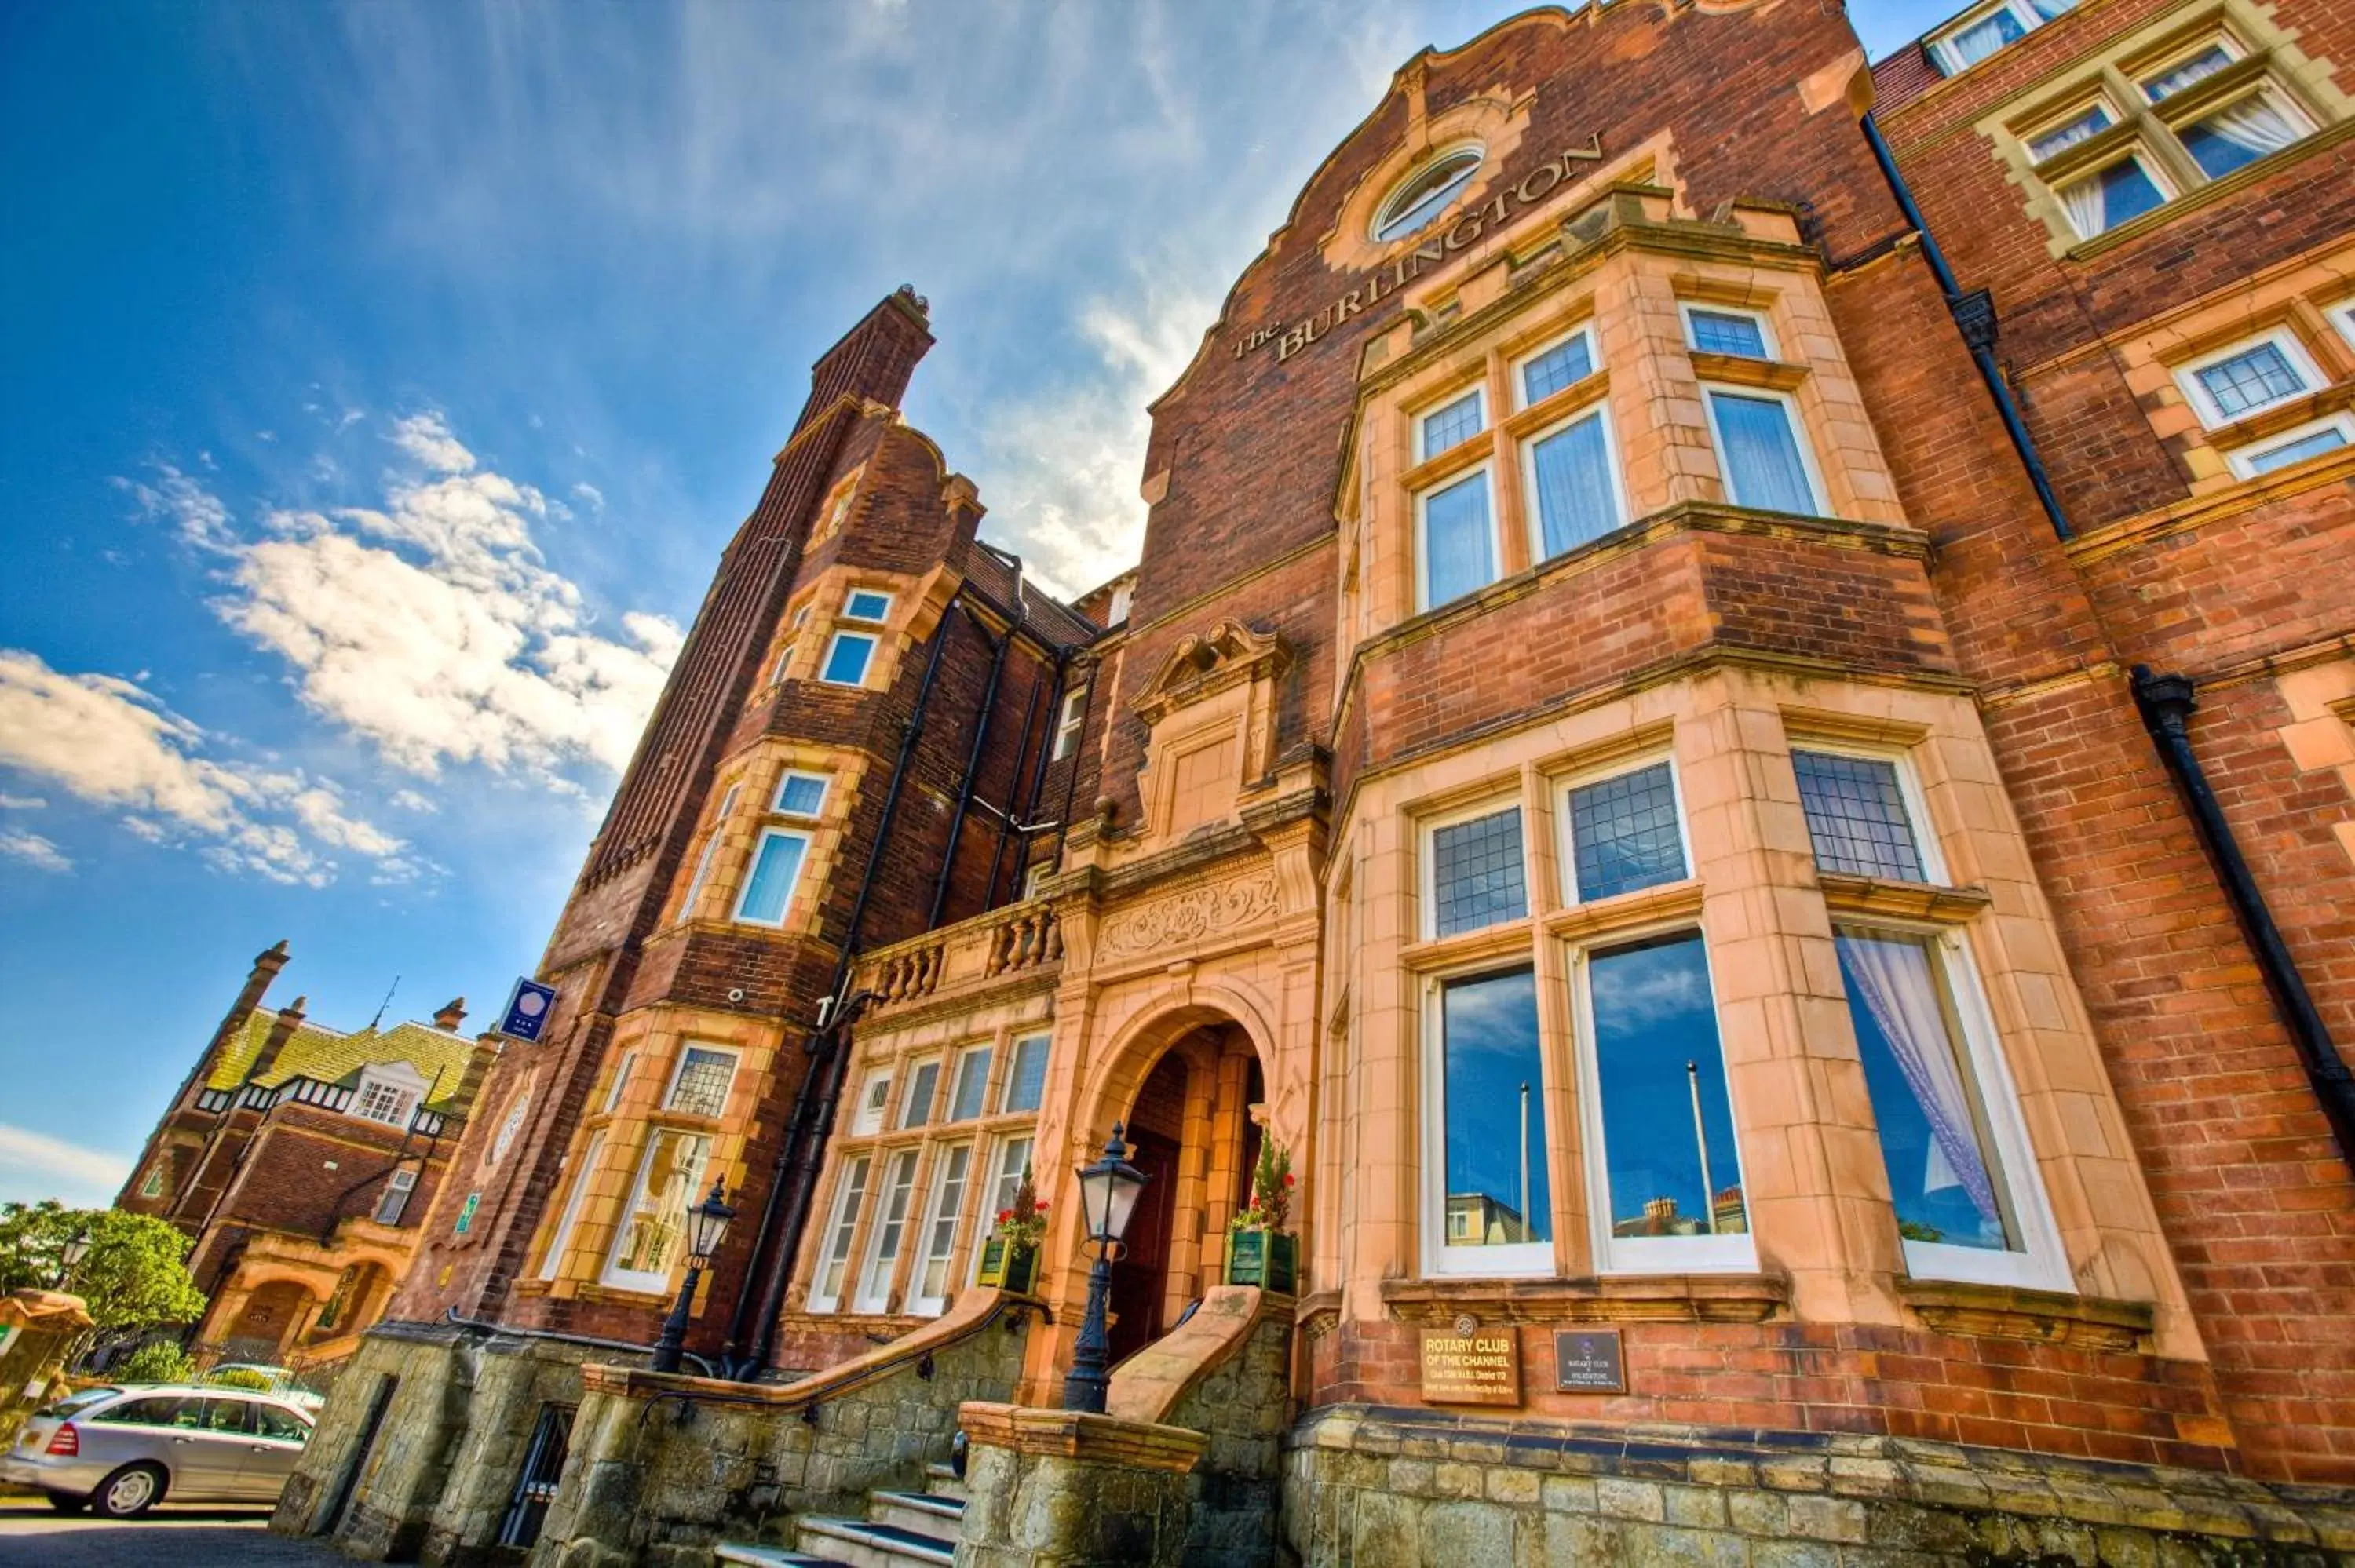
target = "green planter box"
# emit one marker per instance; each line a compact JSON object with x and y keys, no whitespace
{"x":1269,"y":1259}
{"x":1010,"y":1268}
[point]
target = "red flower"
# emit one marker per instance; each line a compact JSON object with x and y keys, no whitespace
{"x":1287,"y":1178}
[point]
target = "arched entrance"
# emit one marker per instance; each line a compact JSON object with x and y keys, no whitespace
{"x":267,"y":1322}
{"x":1192,"y":1128}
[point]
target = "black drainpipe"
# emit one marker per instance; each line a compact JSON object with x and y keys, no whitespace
{"x":2167,"y":703}
{"x":972,"y":769}
{"x":1006,"y":818}
{"x":795,"y":1171}
{"x":1974,"y":316}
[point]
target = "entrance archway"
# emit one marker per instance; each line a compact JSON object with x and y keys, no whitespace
{"x":1191,"y":1126}
{"x":268,"y":1321}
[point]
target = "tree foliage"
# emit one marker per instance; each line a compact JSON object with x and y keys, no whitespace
{"x":158,"y":1360}
{"x":134,"y":1274}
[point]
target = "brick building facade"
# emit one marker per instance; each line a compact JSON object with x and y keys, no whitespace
{"x":1736,"y":724}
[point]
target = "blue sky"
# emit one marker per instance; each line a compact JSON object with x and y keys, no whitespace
{"x":382,"y":382}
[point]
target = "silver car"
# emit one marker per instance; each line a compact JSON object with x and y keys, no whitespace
{"x":122,"y":1450}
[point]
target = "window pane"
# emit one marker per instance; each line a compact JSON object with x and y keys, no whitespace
{"x":1425,"y":197}
{"x":2087,"y":125}
{"x":1458,"y":555}
{"x":1947,"y":1184}
{"x":1973,"y":44}
{"x":1546,"y":374}
{"x":948,"y":1207}
{"x":919,"y":1108}
{"x":666,"y":1185}
{"x":1723,"y":332}
{"x":1013,"y":1158}
{"x":864,"y":605}
{"x":2324,"y":440}
{"x":771,"y":886}
{"x":802,"y":795}
{"x":1475,"y":873}
{"x":890,"y":1226}
{"x":1576,"y":500}
{"x":703,"y":1080}
{"x":972,"y":1081}
{"x":2252,"y":379}
{"x":1762,"y":466}
{"x":1494,"y":1096}
{"x":1444,"y":429}
{"x":1026,"y":1082}
{"x":2206,"y":63}
{"x":845,"y":665}
{"x":1856,"y":815}
{"x":276,"y":1420}
{"x":1623,"y":833}
{"x":846,"y":1225}
{"x":1668,"y":1147}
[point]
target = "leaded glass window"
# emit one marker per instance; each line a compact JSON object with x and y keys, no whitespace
{"x":1856,"y":816}
{"x":1623,"y":833}
{"x":1475,"y":873}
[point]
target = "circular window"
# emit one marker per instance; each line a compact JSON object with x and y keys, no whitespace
{"x":1424,"y":194}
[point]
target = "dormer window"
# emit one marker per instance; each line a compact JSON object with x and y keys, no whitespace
{"x":1984,"y":29}
{"x":387,"y":1095}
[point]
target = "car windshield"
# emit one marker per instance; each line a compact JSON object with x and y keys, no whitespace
{"x":80,"y":1400}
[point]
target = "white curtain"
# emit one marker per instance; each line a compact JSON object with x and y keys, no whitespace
{"x":1575,"y":502}
{"x":1761,"y":453}
{"x":2256,"y":124}
{"x":1900,"y":992}
{"x":2083,"y":204}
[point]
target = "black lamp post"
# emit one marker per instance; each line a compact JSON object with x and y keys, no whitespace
{"x":1108,"y":1191}
{"x":69,"y":1256}
{"x":706,"y":1224}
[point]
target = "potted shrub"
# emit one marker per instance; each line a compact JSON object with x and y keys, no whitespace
{"x":1260,"y":1250}
{"x":1010,"y":1258}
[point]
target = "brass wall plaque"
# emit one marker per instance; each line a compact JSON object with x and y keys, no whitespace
{"x":1471,"y":1366}
{"x":1589,"y":1361}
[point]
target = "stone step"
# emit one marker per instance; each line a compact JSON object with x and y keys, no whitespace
{"x":772,"y":1557}
{"x":863,"y":1543}
{"x":941,"y":1481}
{"x":919,"y":1512}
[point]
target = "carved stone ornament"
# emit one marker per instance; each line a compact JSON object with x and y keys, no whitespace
{"x":1202,"y":664}
{"x":1165,"y":925}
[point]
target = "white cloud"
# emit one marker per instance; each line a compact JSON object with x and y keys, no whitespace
{"x":22,"y":803}
{"x":411,"y":800}
{"x":34,"y":850}
{"x":200,"y":516}
{"x":427,"y":439}
{"x":589,"y":494}
{"x":110,"y":743}
{"x":34,"y":1165}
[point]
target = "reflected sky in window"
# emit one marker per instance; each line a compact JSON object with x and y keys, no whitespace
{"x":1654,"y":1015}
{"x":1489,"y":1049}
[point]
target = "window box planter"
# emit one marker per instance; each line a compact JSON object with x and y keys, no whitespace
{"x":1269,"y":1259}
{"x":1008,"y":1267}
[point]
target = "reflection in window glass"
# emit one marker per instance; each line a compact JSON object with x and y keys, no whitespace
{"x":776,"y":865}
{"x":1667,"y":1126}
{"x":847,"y":1203}
{"x":1559,"y":367}
{"x":2254,"y":378}
{"x":1425,"y":195}
{"x":704,"y":1076}
{"x":1856,"y":815}
{"x":1576,"y":498}
{"x":666,"y":1181}
{"x":919,"y":1108}
{"x":2170,"y":82}
{"x":1444,"y":429}
{"x":1458,"y":556}
{"x":1934,"y":1136}
{"x":2328,"y":439}
{"x":1727,"y":332}
{"x":1475,"y":873}
{"x":2085,"y":127}
{"x":1493,"y":1093}
{"x":1623,"y":836}
{"x":1970,"y":45}
{"x":972,"y":1083}
{"x":2239,"y":135}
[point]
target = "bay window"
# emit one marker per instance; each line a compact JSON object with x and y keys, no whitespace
{"x":1026,"y":1079}
{"x":647,"y":1238}
{"x":1727,"y":330}
{"x":1488,"y":1204}
{"x":1573,"y":483}
{"x":841,"y":1229}
{"x":1760,"y":451}
{"x":1474,"y":877}
{"x":972,"y":1084}
{"x":776,"y":867}
{"x":700,"y":1086}
{"x":1623,"y":833}
{"x":800,"y":794}
{"x":583,"y":1174}
{"x":1446,"y":428}
{"x":710,"y":848}
{"x":1859,"y":815}
{"x":1556,"y":366}
{"x":890,"y":1231}
{"x":1456,"y":522}
{"x":931,"y":1290}
{"x":847,"y":657}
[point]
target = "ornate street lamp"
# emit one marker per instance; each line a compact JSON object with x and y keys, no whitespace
{"x":1108,"y":1191}
{"x":706,"y":1225}
{"x":69,"y":1256}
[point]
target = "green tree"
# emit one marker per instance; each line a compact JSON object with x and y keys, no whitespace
{"x":134,"y":1274}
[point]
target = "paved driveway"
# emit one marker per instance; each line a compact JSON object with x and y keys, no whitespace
{"x":32,"y":1535}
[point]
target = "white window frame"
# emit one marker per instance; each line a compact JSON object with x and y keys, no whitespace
{"x":2342,"y":317}
{"x":1070,"y":723}
{"x":1032,"y":876}
{"x":1800,"y":437}
{"x":784,"y":657}
{"x":2243,"y":459}
{"x":2211,"y":417}
{"x":1004,"y":1180}
{"x":678,"y":1071}
{"x":1486,"y":467}
{"x":1517,"y":372}
{"x":1600,"y":408}
{"x":2099,"y":100}
{"x":824,"y":781}
{"x":1478,"y":393}
{"x":872,"y":641}
{"x":554,"y":1260}
{"x":793,"y":888}
{"x":1427,"y":832}
{"x":1601,"y":774}
{"x":702,"y":877}
{"x":401,"y":1183}
{"x":1649,"y":1255}
{"x":1950,"y":64}
{"x":1926,"y":844}
{"x":1005,"y":1106}
{"x":402,"y":1079}
{"x":841,"y":1231}
{"x":1765,"y":324}
{"x":648,"y":1280}
{"x":1514,"y":1260}
{"x":874,"y":1103}
{"x":2234,"y":52}
{"x":621,"y":1084}
{"x":873,"y":1292}
{"x":851,"y":606}
{"x":927,"y":1239}
{"x":2040,"y":1264}
{"x":932,"y":1100}
{"x":985,"y":1054}
{"x":2263,"y":91}
{"x":2136,"y":155}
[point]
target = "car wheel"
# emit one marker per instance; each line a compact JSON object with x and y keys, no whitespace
{"x":66,"y":1503}
{"x":130,"y":1491}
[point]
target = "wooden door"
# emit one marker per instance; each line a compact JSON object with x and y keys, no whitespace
{"x":1140,"y":1280}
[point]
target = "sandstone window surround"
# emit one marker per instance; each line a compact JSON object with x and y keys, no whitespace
{"x":2247,"y":378}
{"x":2273,"y":397}
{"x":583,"y":1176}
{"x":923,"y":1087}
{"x":1986,"y":29}
{"x":1422,"y":196}
{"x":781,"y":662}
{"x":934,"y":1280}
{"x":702,"y":874}
{"x":765,"y":869}
{"x":972,"y":1090}
{"x":393,"y":1200}
{"x":835,"y":510}
{"x":841,"y":1227}
{"x":700,"y":1083}
{"x":2185,"y":108}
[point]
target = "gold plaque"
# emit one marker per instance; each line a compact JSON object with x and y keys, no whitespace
{"x":1471,"y":1366}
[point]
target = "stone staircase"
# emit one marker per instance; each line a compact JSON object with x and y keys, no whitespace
{"x":901,"y":1529}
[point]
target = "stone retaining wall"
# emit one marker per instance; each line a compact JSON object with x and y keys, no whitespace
{"x":1381,"y":1486}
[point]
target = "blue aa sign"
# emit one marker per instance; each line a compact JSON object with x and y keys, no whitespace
{"x":527,"y":1010}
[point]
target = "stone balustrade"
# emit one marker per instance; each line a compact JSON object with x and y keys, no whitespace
{"x":1018,"y":939}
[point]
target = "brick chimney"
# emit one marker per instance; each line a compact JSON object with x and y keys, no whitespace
{"x":266,"y":965}
{"x":290,"y":1019}
{"x":487,"y":1053}
{"x":453,"y":1013}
